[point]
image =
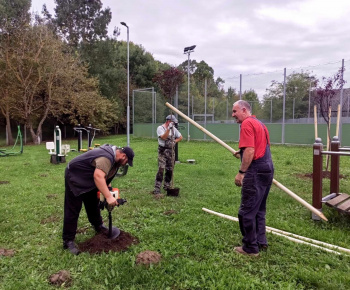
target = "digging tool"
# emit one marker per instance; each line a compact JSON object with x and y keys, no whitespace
{"x":275,"y":182}
{"x":113,"y":232}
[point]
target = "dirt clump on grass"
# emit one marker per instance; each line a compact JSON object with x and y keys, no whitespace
{"x":158,"y":196}
{"x":51,"y":196}
{"x":50,"y":219}
{"x":170,"y":212}
{"x":325,"y":174}
{"x":7,"y":252}
{"x":102,"y":244}
{"x":60,"y":278}
{"x":4,"y":182}
{"x":148,"y":257}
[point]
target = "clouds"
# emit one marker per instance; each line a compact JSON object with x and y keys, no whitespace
{"x":236,"y":37}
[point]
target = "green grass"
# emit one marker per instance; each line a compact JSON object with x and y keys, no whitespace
{"x":196,"y":247}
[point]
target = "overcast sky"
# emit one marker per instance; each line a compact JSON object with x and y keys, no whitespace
{"x":255,"y":38}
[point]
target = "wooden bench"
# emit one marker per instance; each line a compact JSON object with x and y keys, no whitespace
{"x":341,"y":203}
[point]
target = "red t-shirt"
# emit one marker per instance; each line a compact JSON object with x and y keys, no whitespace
{"x":253,"y":134}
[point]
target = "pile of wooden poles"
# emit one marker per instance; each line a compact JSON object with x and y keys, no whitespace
{"x":292,"y":237}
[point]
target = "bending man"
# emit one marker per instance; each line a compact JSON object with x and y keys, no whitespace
{"x":85,"y":175}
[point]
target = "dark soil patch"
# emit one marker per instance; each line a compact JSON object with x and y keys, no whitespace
{"x":325,"y":174}
{"x":60,"y":278}
{"x":7,"y":252}
{"x":50,"y":219}
{"x":100,"y":243}
{"x":148,"y":257}
{"x":43,"y":175}
{"x":169,"y":212}
{"x":51,"y":196}
{"x":4,"y":182}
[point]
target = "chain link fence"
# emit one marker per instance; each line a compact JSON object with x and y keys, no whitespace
{"x":283,"y":100}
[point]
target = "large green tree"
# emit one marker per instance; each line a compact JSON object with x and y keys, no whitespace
{"x":79,"y":21}
{"x":297,"y":97}
{"x":14,"y":16}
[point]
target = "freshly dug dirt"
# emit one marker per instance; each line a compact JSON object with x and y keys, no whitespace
{"x":170,"y":212}
{"x":7,"y":252}
{"x":325,"y":174}
{"x":61,"y":277}
{"x":4,"y":182}
{"x":101,"y":243}
{"x":148,"y":257}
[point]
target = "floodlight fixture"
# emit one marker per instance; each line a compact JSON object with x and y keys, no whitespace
{"x":189,"y":49}
{"x":124,"y":24}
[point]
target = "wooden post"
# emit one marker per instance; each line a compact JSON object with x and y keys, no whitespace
{"x":334,"y":184}
{"x":315,"y":121}
{"x":317,"y":177}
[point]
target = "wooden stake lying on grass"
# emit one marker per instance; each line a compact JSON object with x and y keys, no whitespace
{"x":289,"y":236}
{"x":275,"y":182}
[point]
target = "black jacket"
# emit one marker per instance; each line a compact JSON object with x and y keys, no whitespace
{"x":80,"y":171}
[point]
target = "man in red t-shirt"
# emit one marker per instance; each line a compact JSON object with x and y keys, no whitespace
{"x":254,"y":176}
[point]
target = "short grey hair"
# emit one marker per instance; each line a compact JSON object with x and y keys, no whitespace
{"x":243,"y":104}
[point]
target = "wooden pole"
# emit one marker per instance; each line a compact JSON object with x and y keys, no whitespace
{"x":279,"y":185}
{"x":338,"y":121}
{"x":328,"y":134}
{"x":315,"y":121}
{"x":290,"y":236}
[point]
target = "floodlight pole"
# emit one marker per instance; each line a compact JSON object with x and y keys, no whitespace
{"x":188,"y":50}
{"x":128,"y":105}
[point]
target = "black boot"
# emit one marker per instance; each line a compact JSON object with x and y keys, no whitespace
{"x":71,"y":246}
{"x":101,"y":229}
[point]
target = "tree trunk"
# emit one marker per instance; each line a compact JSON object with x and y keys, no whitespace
{"x":8,"y":130}
{"x":35,"y":135}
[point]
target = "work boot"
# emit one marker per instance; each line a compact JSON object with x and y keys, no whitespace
{"x":71,"y":246}
{"x":101,"y":229}
{"x":156,"y":191}
{"x":241,"y":251}
{"x":263,"y":247}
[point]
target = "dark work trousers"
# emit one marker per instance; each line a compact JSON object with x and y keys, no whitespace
{"x":164,"y":162}
{"x":72,"y":208}
{"x":255,"y":189}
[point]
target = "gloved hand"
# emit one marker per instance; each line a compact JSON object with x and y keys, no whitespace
{"x":171,"y":125}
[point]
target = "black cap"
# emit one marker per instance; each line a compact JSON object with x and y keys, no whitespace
{"x":129,"y":153}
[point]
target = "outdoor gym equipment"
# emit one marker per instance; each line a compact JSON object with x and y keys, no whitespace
{"x":90,"y":131}
{"x":340,"y":201}
{"x":275,"y":182}
{"x":113,"y":232}
{"x":12,"y":151}
{"x":56,"y":156}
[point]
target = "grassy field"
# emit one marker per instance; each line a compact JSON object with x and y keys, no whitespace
{"x":196,"y":247}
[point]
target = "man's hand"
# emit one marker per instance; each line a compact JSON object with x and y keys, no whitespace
{"x":237,"y":154}
{"x":112,"y":202}
{"x":171,"y":125}
{"x":239,"y":179}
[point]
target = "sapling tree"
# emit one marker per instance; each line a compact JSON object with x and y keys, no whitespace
{"x":324,"y":97}
{"x":168,"y":80}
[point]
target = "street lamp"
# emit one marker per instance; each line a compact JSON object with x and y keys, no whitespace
{"x":128,"y":105}
{"x":188,"y":50}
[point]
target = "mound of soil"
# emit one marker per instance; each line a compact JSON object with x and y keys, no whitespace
{"x":148,"y":257}
{"x":7,"y":252}
{"x":61,"y":277}
{"x":102,"y":244}
{"x":325,"y":174}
